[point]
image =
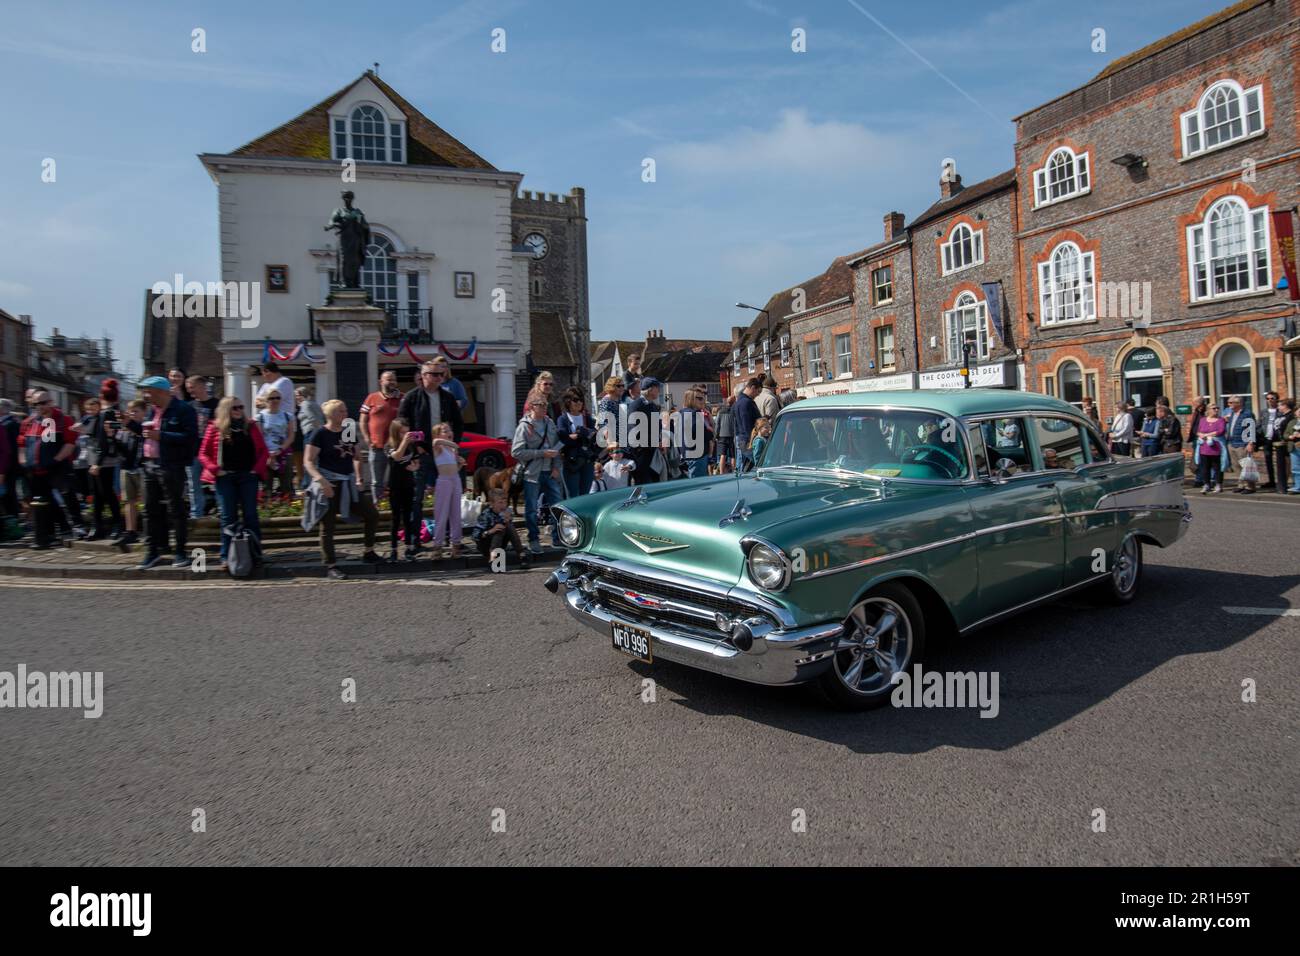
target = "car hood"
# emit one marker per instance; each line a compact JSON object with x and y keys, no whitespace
{"x":677,"y":528}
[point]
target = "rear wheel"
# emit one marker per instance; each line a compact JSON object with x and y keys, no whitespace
{"x":1121,"y":585}
{"x":883,"y":635}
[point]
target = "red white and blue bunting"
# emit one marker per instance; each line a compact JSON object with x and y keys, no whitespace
{"x":470,"y":354}
{"x":299,"y":352}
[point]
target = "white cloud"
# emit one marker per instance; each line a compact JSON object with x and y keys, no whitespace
{"x":794,"y":146}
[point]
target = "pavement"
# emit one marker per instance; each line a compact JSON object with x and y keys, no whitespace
{"x":489,"y":727}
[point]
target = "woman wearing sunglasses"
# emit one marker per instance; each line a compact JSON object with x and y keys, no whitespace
{"x":233,"y":454}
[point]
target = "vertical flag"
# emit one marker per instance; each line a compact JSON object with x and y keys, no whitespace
{"x":993,"y":296}
{"x":1282,"y":228}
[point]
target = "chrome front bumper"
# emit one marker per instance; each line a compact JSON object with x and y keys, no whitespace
{"x":773,"y":655}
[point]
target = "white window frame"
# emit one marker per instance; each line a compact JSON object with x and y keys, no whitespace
{"x":735,"y":362}
{"x":392,"y":137}
{"x":1075,"y":181}
{"x":1257,"y":241}
{"x":767,"y":355}
{"x":1249,"y":105}
{"x":844,"y":358}
{"x":1050,"y":287}
{"x":954,"y":326}
{"x":875,"y":287}
{"x":951,"y":248}
{"x":814,"y":350}
{"x":785,"y":350}
{"x":749,"y":357}
{"x":882,"y":351}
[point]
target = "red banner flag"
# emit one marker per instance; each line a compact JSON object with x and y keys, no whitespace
{"x":1286,"y":242}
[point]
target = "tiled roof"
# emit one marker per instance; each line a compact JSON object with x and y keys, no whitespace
{"x":971,"y":194}
{"x":551,"y":349}
{"x":835,"y":282}
{"x":1179,"y":35}
{"x":683,"y":366}
{"x":307,"y":136}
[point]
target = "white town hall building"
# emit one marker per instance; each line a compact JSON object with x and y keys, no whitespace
{"x":460,"y":265}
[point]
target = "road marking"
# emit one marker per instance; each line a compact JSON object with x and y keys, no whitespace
{"x":1265,"y":611}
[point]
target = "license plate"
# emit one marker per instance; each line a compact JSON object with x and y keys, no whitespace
{"x":632,"y":640}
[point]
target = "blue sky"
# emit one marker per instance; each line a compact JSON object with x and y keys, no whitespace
{"x":769,"y":162}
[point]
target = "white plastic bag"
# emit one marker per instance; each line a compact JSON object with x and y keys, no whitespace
{"x":470,"y":508}
{"x":1249,"y":470}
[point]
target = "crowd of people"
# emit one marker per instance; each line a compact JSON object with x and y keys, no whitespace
{"x":141,"y":470}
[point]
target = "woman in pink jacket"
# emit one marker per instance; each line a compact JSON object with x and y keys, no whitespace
{"x":233,"y":454}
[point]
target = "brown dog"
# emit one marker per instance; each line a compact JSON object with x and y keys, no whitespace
{"x":485,"y":479}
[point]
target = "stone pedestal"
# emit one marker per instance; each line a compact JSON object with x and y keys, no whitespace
{"x":351,"y":331}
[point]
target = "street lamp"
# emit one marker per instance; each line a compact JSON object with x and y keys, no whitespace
{"x":967,"y":347}
{"x":764,"y":312}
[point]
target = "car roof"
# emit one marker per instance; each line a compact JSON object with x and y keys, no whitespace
{"x":951,"y":401}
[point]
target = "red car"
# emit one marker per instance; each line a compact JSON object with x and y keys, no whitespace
{"x":480,"y":451}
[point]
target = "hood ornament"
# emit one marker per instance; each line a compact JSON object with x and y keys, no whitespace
{"x":738,"y":513}
{"x":637,"y":497}
{"x":653,"y":544}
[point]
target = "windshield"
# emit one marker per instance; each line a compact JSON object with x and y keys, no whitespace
{"x":875,"y":442}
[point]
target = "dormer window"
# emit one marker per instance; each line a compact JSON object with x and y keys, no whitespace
{"x":367,"y":135}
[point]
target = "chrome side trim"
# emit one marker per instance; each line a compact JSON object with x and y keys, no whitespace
{"x":906,"y":552}
{"x":1028,"y":604}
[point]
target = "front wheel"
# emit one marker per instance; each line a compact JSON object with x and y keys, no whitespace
{"x":883,"y":635}
{"x":1121,"y":585}
{"x":490,"y":459}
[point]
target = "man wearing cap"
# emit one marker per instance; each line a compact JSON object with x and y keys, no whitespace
{"x":648,"y":409}
{"x":171,"y":438}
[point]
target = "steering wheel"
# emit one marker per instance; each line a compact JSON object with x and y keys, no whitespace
{"x":952,"y":466}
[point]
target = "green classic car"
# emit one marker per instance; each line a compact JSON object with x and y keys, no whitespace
{"x":867,"y":524}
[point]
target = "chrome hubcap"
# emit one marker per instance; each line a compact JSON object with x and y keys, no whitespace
{"x":876,"y":645}
{"x":1126,"y":566}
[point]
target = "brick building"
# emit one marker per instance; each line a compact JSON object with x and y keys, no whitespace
{"x":804,"y":337}
{"x":964,"y":271}
{"x":15,"y":342}
{"x":883,"y":312}
{"x":1148,"y":244}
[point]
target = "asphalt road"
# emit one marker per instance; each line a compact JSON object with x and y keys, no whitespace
{"x":482,"y":701}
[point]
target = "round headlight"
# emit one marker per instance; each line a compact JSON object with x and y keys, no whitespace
{"x":767,"y":569}
{"x":570,"y":530}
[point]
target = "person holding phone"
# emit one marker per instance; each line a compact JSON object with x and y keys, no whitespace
{"x":105,"y":456}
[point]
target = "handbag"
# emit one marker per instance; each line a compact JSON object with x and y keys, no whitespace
{"x":244,"y":552}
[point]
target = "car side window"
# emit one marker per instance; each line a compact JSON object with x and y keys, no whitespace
{"x":1096,"y":450}
{"x":1060,"y":443}
{"x":975,"y":436}
{"x":1005,"y":440}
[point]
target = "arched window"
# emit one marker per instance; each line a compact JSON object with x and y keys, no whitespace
{"x":1225,"y":114}
{"x":366,"y":134}
{"x":967,"y":320}
{"x":1071,"y":378}
{"x":379,"y":274}
{"x":1228,"y":251}
{"x":1232,"y":374}
{"x":965,"y":247}
{"x":1066,"y":288}
{"x":1064,"y":175}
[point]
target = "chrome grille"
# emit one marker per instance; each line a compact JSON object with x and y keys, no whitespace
{"x":694,"y":608}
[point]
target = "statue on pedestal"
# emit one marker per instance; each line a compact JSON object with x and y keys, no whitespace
{"x":354,"y":236}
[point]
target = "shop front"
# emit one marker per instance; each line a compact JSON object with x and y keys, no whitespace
{"x":993,"y":375}
{"x":853,"y":386}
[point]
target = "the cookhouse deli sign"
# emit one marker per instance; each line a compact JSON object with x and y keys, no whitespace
{"x":879,"y":383}
{"x":999,"y":375}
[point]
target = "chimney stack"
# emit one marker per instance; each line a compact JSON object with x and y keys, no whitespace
{"x":893,"y":225}
{"x":949,"y":180}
